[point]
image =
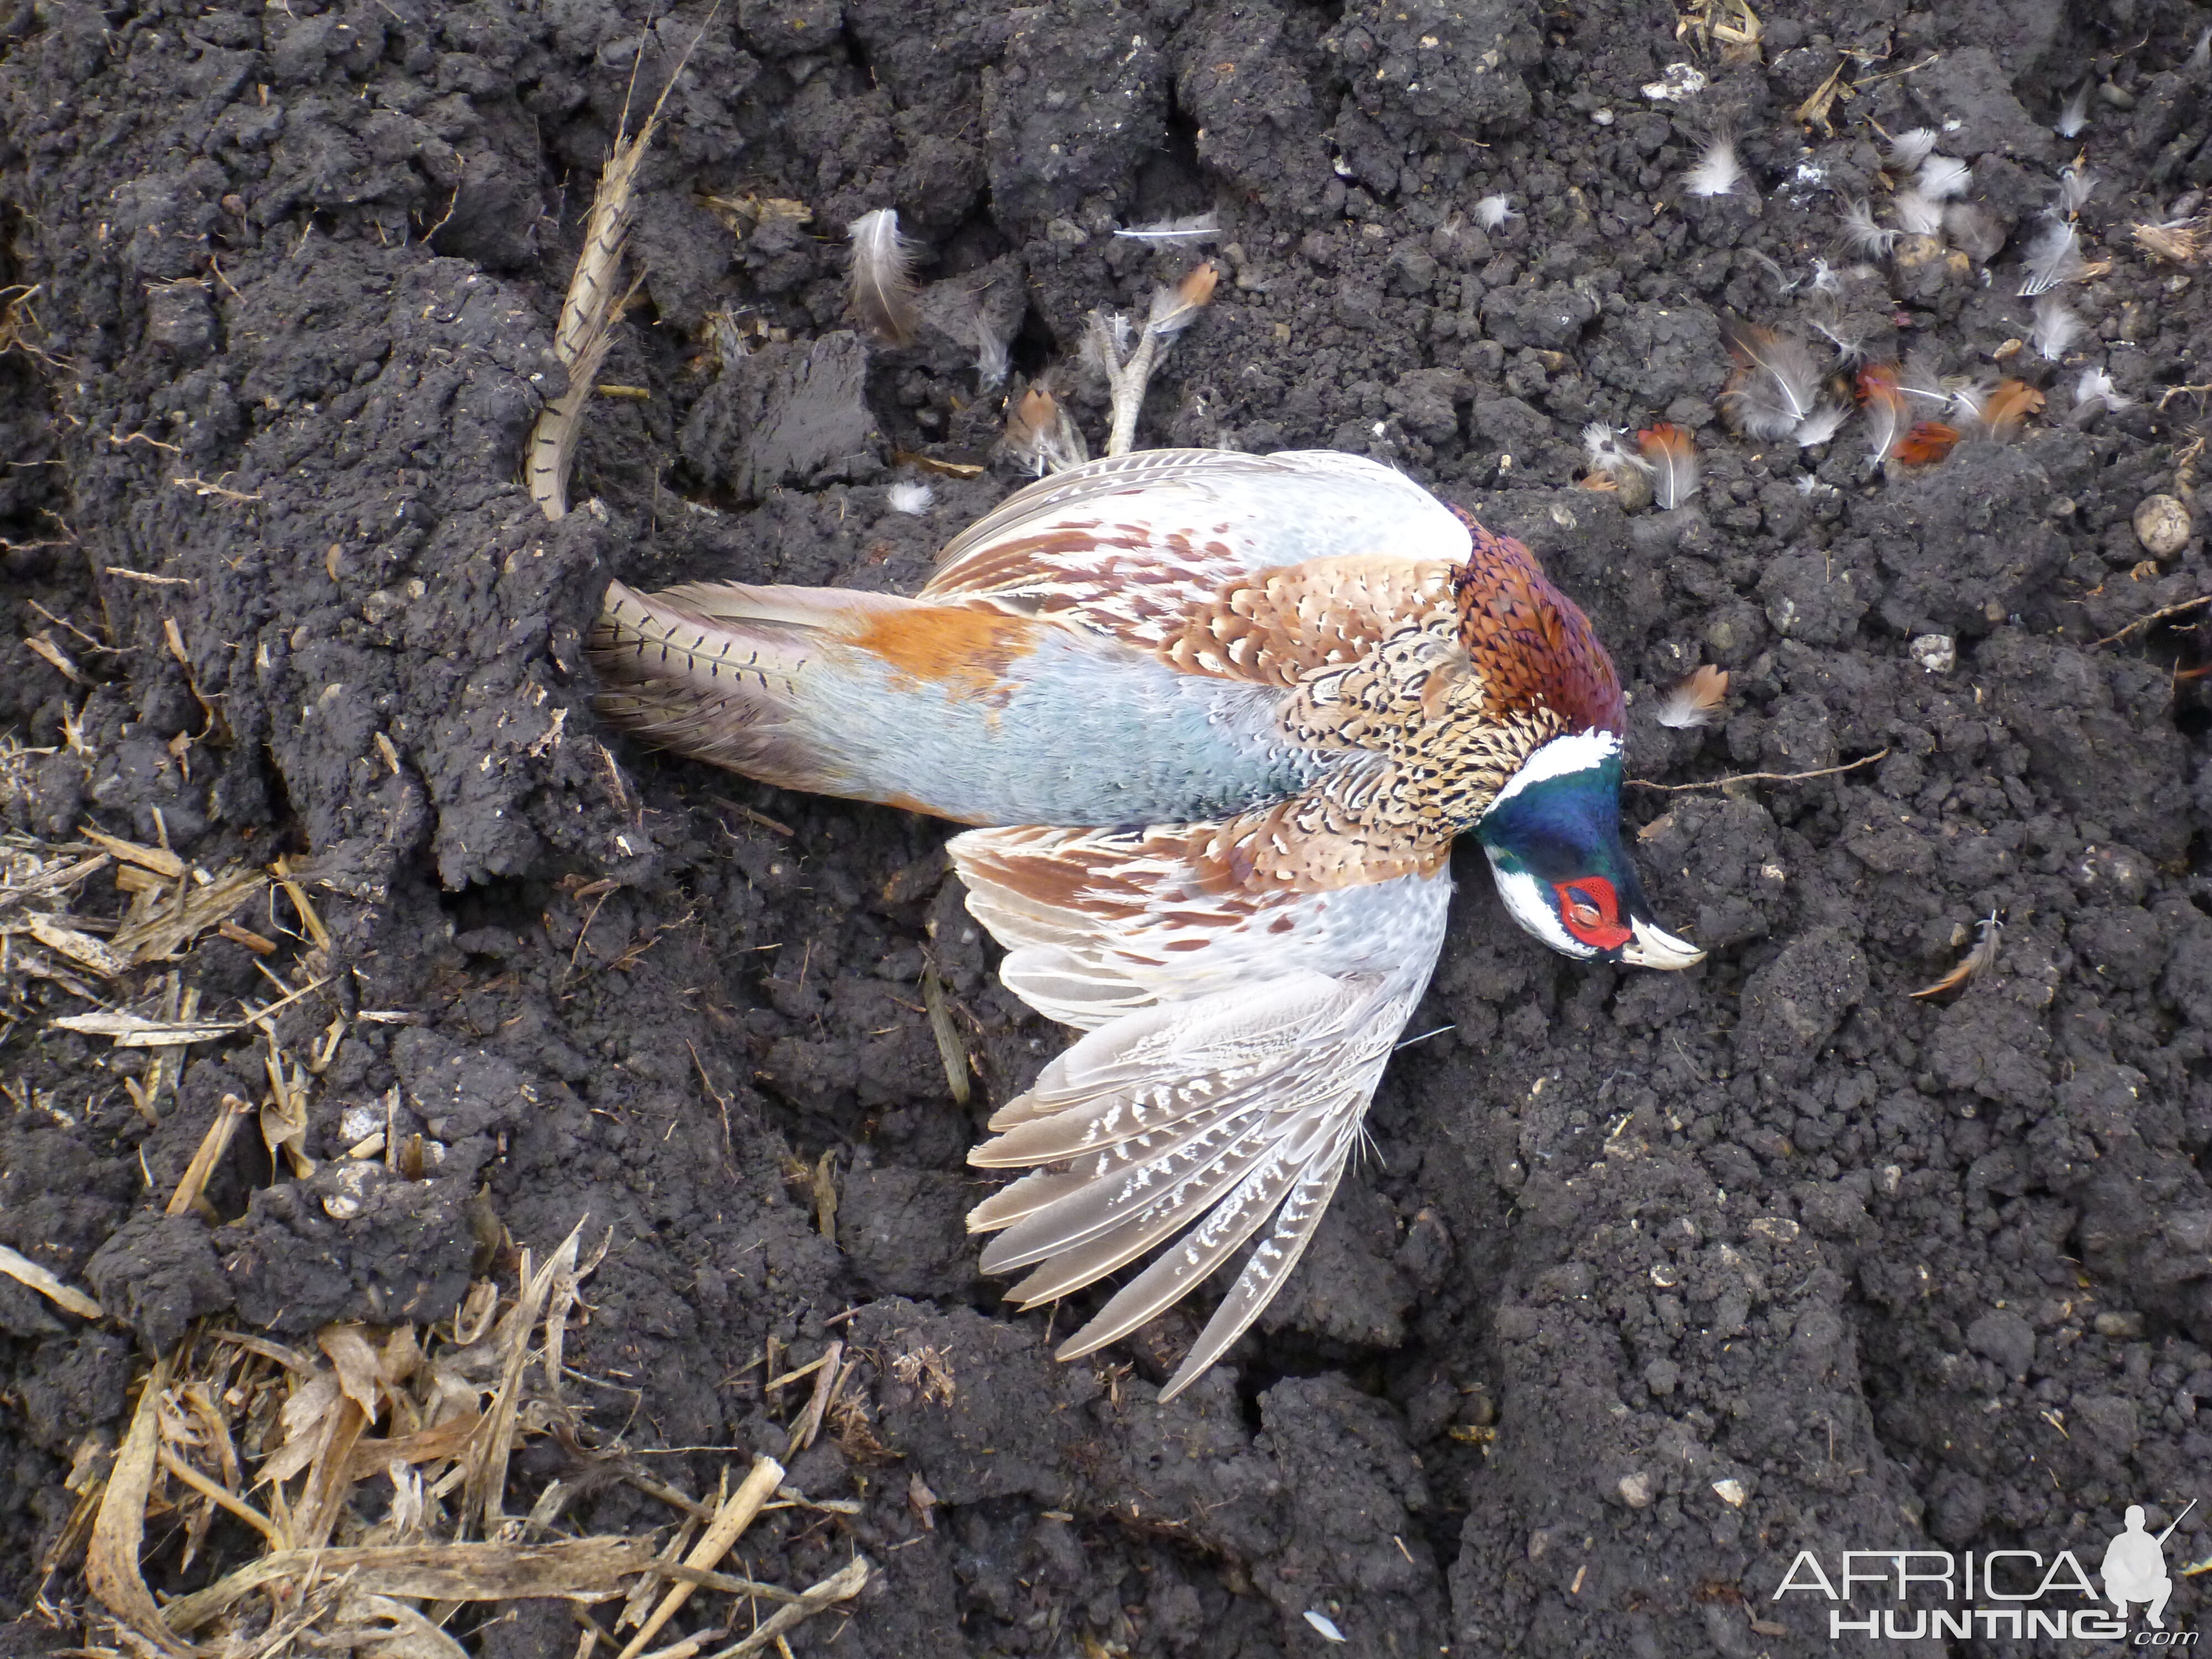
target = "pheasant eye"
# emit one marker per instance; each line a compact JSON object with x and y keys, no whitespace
{"x":1591,"y":911}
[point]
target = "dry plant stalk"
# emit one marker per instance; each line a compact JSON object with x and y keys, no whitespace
{"x":213,"y":1144}
{"x":833,"y":1372}
{"x":194,"y":910}
{"x":119,"y":1531}
{"x":29,"y":1274}
{"x":485,"y":1481}
{"x":947,"y":1037}
{"x":19,"y":323}
{"x":1735,"y":778}
{"x":573,"y":1567}
{"x":842,"y":1585}
{"x":230,"y":1414}
{"x":730,"y":1522}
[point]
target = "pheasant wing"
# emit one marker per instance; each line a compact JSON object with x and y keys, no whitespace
{"x":1234,"y":1040}
{"x":1243,"y":566}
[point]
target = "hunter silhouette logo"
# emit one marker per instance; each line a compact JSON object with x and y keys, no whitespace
{"x":2135,"y":1567}
{"x":1910,"y":1595}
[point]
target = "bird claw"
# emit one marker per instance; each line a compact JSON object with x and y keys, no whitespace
{"x":1128,"y":364}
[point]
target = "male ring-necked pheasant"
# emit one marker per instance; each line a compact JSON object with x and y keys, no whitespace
{"x":1220,"y":716}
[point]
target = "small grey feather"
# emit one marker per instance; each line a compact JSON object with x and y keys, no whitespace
{"x":1861,"y":235}
{"x":2075,"y":116}
{"x":1910,"y":149}
{"x":1191,"y":227}
{"x":2056,"y":326}
{"x":2056,"y":258}
{"x":882,"y":293}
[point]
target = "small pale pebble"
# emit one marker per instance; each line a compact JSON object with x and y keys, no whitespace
{"x":1731,"y":1492}
{"x":2162,"y":525}
{"x":1936,"y":652}
{"x":1636,"y":1490}
{"x":354,"y":1183}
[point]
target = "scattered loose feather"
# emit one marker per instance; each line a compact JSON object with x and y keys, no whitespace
{"x":1822,"y":424}
{"x":1694,"y":700}
{"x":1916,"y":215}
{"x":992,"y":358}
{"x":1673,"y":456}
{"x":1192,"y":227}
{"x":1614,"y":466}
{"x":2055,"y":258}
{"x":1775,"y":384}
{"x":1978,"y":961}
{"x":1861,"y":235}
{"x":1326,"y":1625}
{"x":2006,"y":405}
{"x":1174,"y":309}
{"x":1885,"y":408}
{"x":1492,"y":211}
{"x":1927,"y":443}
{"x":882,"y":293}
{"x":1910,"y":149}
{"x":910,"y":497}
{"x":1607,"y":452}
{"x":1104,"y":345}
{"x":2093,"y":392}
{"x":1975,"y":229}
{"x":2074,"y":185}
{"x":1919,"y":378}
{"x":968,"y":316}
{"x":1942,"y":177}
{"x":2058,"y":326}
{"x":1717,"y":171}
{"x":1042,"y":434}
{"x":1824,"y":279}
{"x":1849,"y":341}
{"x":2076,"y":115}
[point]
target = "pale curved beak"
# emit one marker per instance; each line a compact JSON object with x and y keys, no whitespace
{"x":1653,"y":947}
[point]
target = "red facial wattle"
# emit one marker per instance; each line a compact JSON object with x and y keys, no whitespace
{"x":1590,"y":910}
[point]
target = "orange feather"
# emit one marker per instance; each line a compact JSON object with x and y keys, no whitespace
{"x":1928,"y":442}
{"x":2013,"y":402}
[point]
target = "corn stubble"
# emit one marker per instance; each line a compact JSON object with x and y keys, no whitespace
{"x":372,"y":1472}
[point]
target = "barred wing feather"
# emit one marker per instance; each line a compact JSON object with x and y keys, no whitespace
{"x":1233,"y":1043}
{"x":1260,"y":511}
{"x":1189,"y":552}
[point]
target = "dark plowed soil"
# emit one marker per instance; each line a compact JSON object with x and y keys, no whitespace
{"x":1651,"y":1282}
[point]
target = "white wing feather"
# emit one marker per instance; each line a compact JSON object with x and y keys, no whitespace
{"x":1234,"y":1041}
